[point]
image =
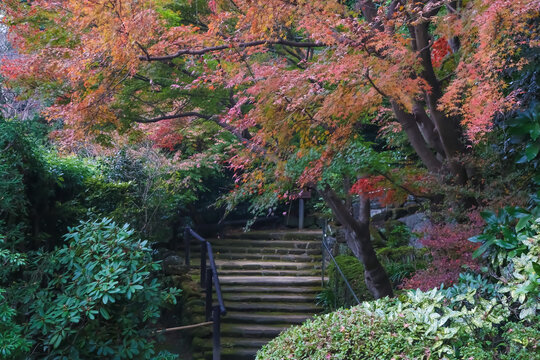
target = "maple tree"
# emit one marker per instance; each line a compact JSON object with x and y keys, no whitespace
{"x":288,"y":78}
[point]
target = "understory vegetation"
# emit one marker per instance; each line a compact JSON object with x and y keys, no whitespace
{"x":492,"y":314}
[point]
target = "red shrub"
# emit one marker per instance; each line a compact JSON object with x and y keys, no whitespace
{"x":451,"y":252}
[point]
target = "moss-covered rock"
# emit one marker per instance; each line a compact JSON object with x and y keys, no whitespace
{"x":401,"y":253}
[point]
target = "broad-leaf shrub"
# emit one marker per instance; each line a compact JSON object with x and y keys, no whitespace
{"x":458,"y":323}
{"x":100,"y":299}
{"x":522,"y":277}
{"x":511,"y":241}
{"x":504,"y":234}
{"x":12,"y":339}
{"x":524,"y":131}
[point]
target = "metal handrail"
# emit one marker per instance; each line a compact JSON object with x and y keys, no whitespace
{"x":325,"y":247}
{"x":215,"y":277}
{"x":208,"y":276}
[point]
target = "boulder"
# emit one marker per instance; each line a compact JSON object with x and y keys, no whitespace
{"x":174,"y":265}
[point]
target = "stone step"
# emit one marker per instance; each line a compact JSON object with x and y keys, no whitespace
{"x":254,"y":265}
{"x":260,"y":256}
{"x":265,"y":318}
{"x":282,"y":281}
{"x":261,"y":307}
{"x":273,"y":306}
{"x":276,"y":235}
{"x":266,"y":250}
{"x":268,"y":297}
{"x":259,"y":244}
{"x":230,"y":354}
{"x":269,"y":281}
{"x":254,"y":251}
{"x":269,"y":272}
{"x":238,"y":289}
{"x":265,"y":257}
{"x":253,"y":331}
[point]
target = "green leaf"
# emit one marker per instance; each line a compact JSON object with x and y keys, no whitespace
{"x":105,"y":313}
{"x":532,"y":150}
{"x":56,"y":340}
{"x":523,"y":222}
{"x":536,"y":267}
{"x":522,"y":160}
{"x":536,"y":179}
{"x":489,"y":216}
{"x":481,"y":238}
{"x":535,"y":131}
{"x":504,"y":244}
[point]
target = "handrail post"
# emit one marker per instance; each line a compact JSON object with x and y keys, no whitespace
{"x":208,"y":294}
{"x":203,"y":264}
{"x":323,"y":241}
{"x":186,"y":246}
{"x":209,"y":279}
{"x":216,"y":333}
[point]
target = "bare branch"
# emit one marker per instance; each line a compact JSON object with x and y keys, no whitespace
{"x":375,"y":86}
{"x":203,"y":51}
{"x":143,"y":50}
{"x":173,"y":116}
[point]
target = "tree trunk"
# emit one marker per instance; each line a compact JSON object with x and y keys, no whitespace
{"x":409,"y":125}
{"x":447,"y":127}
{"x":358,"y":239}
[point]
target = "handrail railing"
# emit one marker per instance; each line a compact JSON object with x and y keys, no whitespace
{"x":208,"y":276}
{"x":325,"y":247}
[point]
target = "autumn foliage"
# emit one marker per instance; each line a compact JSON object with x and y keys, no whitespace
{"x":451,"y":253}
{"x":281,"y":70}
{"x":289,"y":79}
{"x":386,"y":191}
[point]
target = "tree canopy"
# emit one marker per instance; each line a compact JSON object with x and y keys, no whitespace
{"x":298,"y":83}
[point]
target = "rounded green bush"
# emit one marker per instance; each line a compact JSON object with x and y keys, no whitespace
{"x":463,"y":322}
{"x":344,"y":334}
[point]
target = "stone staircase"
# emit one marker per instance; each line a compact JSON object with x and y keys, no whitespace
{"x":269,"y":281}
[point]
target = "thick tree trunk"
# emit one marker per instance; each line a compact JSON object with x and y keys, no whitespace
{"x":409,"y":125}
{"x":428,"y":130}
{"x":359,"y":241}
{"x":447,"y":127}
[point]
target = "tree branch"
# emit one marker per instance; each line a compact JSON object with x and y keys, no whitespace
{"x":375,"y":86}
{"x":205,"y":50}
{"x":174,"y":116}
{"x":238,"y":134}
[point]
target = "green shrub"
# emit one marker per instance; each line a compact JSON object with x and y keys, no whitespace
{"x":12,"y":340}
{"x":402,"y":262}
{"x":511,"y":243}
{"x":100,"y":299}
{"x":418,"y":325}
{"x":396,"y":233}
{"x":477,"y":318}
{"x":40,"y":192}
{"x":13,"y":343}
